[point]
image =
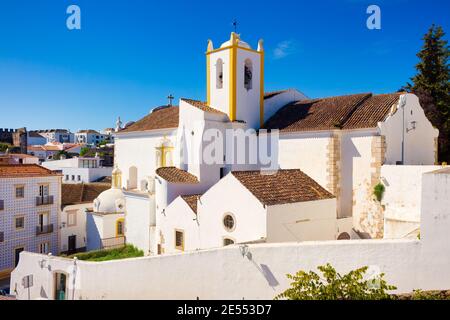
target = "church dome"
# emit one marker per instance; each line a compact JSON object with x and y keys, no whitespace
{"x":241,"y":43}
{"x":110,"y":201}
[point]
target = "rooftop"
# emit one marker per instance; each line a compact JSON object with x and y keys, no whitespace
{"x":25,"y":170}
{"x":81,"y":193}
{"x":347,"y":112}
{"x":281,"y":187}
{"x":165,"y":117}
{"x":175,"y":175}
{"x":191,"y":200}
{"x":202,"y":106}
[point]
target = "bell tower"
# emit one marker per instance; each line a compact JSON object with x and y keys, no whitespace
{"x":235,"y":80}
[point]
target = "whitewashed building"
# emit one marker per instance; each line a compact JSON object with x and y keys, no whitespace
{"x":79,"y":169}
{"x":76,"y":200}
{"x":30,"y":202}
{"x":90,"y":137}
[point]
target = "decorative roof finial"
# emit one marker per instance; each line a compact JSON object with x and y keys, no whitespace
{"x":170,"y":97}
{"x":210,"y":46}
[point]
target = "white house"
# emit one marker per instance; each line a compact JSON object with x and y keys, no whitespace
{"x":18,"y":158}
{"x":29,"y":211}
{"x":76,"y":200}
{"x":79,"y":169}
{"x":91,"y":137}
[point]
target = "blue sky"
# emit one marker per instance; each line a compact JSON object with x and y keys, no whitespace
{"x":129,"y":55}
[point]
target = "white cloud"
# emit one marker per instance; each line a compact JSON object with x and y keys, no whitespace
{"x":284,"y":49}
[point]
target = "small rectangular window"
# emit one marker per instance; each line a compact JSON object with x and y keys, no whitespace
{"x":179,"y":240}
{"x":44,"y":248}
{"x":72,"y":218}
{"x":19,"y":223}
{"x":79,"y":178}
{"x":20,"y":191}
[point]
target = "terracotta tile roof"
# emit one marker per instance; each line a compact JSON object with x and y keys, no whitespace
{"x":81,"y":193}
{"x":202,"y":106}
{"x":347,"y":112}
{"x":371,"y":111}
{"x":284,"y":186}
{"x":268,"y":95}
{"x":191,"y":200}
{"x":175,"y":175}
{"x":317,"y":114}
{"x":25,"y":170}
{"x":163,"y":118}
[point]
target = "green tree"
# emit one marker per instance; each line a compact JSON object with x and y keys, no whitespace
{"x":334,"y":286}
{"x":84,"y":151}
{"x":432,"y":85}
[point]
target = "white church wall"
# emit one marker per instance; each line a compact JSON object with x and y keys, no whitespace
{"x":302,"y":221}
{"x":402,"y":198}
{"x":230,"y":196}
{"x":179,"y":216}
{"x":355,"y":172}
{"x":275,"y":103}
{"x":138,"y":220}
{"x":419,"y":142}
{"x":224,"y":273}
{"x":128,"y":145}
{"x":307,"y":152}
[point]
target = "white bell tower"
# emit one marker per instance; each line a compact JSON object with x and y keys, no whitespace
{"x":235,"y":80}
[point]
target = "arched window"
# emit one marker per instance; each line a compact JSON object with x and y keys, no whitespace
{"x":164,"y":154}
{"x":120,"y":227}
{"x":219,"y":74}
{"x":248,"y":74}
{"x":227,"y":242}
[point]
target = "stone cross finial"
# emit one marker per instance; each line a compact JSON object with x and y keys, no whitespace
{"x":170,"y":97}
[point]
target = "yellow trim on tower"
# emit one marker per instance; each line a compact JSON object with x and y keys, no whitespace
{"x":208,"y":80}
{"x":261,"y":89}
{"x":232,"y":84}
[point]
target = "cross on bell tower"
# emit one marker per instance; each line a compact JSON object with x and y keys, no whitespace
{"x":235,"y":24}
{"x":170,"y":97}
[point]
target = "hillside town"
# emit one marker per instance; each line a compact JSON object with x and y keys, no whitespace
{"x":252,"y":184}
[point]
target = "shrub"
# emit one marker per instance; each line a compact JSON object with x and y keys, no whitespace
{"x":125,"y":252}
{"x":378,"y":191}
{"x":334,"y":286}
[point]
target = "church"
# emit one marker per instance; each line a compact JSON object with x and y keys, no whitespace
{"x":327,"y":156}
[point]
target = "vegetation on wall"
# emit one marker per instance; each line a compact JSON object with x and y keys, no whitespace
{"x":125,"y":252}
{"x":334,"y":286}
{"x":4,"y":146}
{"x":378,"y":191}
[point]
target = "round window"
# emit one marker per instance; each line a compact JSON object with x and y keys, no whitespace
{"x":228,"y":222}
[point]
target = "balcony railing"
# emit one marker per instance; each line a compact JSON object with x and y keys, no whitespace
{"x":44,"y":229}
{"x":2,"y":205}
{"x":2,"y":237}
{"x":111,"y":243}
{"x":45,"y":200}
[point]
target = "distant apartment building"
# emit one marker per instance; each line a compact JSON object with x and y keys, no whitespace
{"x":18,"y":158}
{"x":109,"y":134}
{"x":49,"y":150}
{"x":90,"y":137}
{"x":79,"y":170}
{"x":29,"y":209}
{"x":51,"y":135}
